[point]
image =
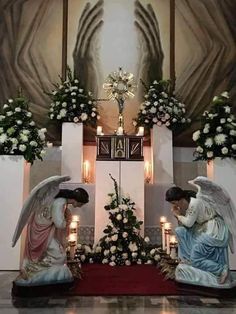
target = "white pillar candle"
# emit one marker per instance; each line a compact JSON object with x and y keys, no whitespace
{"x":120,"y":130}
{"x":73,"y":225}
{"x":147,"y":171}
{"x":173,"y":247}
{"x":162,"y":222}
{"x":75,"y":218}
{"x":86,"y":171}
{"x":99,"y":130}
{"x":141,"y":131}
{"x":167,"y":227}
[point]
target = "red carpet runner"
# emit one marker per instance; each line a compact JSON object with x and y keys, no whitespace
{"x":98,"y":279}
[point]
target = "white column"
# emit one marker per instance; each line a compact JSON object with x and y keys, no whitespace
{"x":132,"y":183}
{"x":72,"y":151}
{"x":103,"y":186}
{"x":162,"y":154}
{"x":223,"y":172}
{"x":14,"y":187}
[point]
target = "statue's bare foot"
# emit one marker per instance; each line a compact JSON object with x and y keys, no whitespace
{"x":224,"y":275}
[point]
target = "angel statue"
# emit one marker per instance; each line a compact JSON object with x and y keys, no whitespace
{"x":206,"y":230}
{"x":48,"y":217}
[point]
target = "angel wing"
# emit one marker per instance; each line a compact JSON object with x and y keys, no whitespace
{"x":216,"y":196}
{"x":41,"y":196}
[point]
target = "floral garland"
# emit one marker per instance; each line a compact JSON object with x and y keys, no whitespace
{"x":71,"y":103}
{"x":18,"y":133}
{"x":162,"y":108}
{"x":217,"y":134}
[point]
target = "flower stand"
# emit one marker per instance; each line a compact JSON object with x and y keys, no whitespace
{"x":72,"y":151}
{"x":14,"y":183}
{"x":223,"y":172}
{"x":162,"y":154}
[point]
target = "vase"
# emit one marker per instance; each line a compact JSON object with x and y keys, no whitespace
{"x":72,"y":151}
{"x":14,"y":183}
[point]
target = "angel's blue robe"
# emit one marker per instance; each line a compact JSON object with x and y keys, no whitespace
{"x":203,"y":238}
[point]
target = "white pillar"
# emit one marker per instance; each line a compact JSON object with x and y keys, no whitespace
{"x":72,"y":151}
{"x":14,"y":187}
{"x":162,"y":154}
{"x":130,"y":179}
{"x":223,"y":172}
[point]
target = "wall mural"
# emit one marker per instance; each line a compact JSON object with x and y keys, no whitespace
{"x":104,"y":35}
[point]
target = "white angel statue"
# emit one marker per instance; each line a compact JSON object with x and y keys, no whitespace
{"x":207,"y":225}
{"x":48,"y":217}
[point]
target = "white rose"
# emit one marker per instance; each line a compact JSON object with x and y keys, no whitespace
{"x":83,"y":258}
{"x":32,"y":123}
{"x":113,"y":249}
{"x":114,"y":237}
{"x":157,"y":257}
{"x":222,"y":120}
{"x":124,"y":255}
{"x":58,"y":117}
{"x":5,"y":106}
{"x":2,"y":117}
{"x":118,"y":217}
{"x":63,"y":113}
{"x":19,"y":122}
{"x":51,"y":116}
{"x":1,"y":130}
{"x":76,"y":119}
{"x":74,"y":106}
{"x":10,"y":101}
{"x":139,"y":261}
{"x":153,"y":251}
{"x":84,"y":116}
{"x":22,"y":147}
{"x":219,"y":129}
{"x":196,"y":135}
{"x":73,"y":94}
{"x":167,"y":123}
{"x":124,"y":234}
{"x":106,"y":252}
{"x":3,"y":138}
{"x":133,"y":247}
{"x":227,"y":109}
{"x":224,"y":150}
{"x":73,"y":101}
{"x":209,"y":142}
{"x":149,"y":262}
{"x":112,"y":264}
{"x":153,"y":110}
{"x":205,"y":130}
{"x":64,"y":104}
{"x":93,"y":114}
{"x":43,"y":153}
{"x":29,"y":114}
{"x":154,"y":120}
{"x":225,"y":94}
{"x":76,"y":81}
{"x":17,"y":109}
{"x":233,"y":146}
{"x":125,"y":220}
{"x":232,"y":132}
{"x":210,"y":154}
{"x":134,"y":123}
{"x":81,"y":90}
{"x":144,"y":111}
{"x":33,"y":143}
{"x":81,"y":105}
{"x":113,"y":258}
{"x":9,"y":113}
{"x":54,"y":92}
{"x":24,"y":137}
{"x":105,"y":261}
{"x":98,"y":249}
{"x":146,"y":239}
{"x":127,"y":263}
{"x":134,"y":254}
{"x":199,"y":149}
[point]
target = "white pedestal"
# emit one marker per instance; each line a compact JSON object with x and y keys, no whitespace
{"x":72,"y":151}
{"x":14,"y":187}
{"x":223,"y":172}
{"x":162,"y":154}
{"x":130,"y":178}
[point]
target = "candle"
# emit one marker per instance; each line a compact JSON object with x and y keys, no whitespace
{"x":167,"y":227}
{"x":72,"y":238}
{"x":120,"y":130}
{"x":140,"y":131}
{"x":162,"y":222}
{"x":147,"y":170}
{"x":75,"y":218}
{"x":173,"y":247}
{"x":86,"y":171}
{"x":99,"y":130}
{"x":73,"y":225}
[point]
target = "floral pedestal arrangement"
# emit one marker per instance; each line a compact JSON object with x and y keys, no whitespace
{"x":14,"y":182}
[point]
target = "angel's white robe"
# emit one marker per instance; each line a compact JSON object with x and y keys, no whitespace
{"x":45,"y":246}
{"x":203,"y":238}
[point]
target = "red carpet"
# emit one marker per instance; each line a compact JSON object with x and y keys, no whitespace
{"x":98,"y":279}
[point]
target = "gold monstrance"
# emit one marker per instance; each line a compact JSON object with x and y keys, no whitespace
{"x":120,"y":86}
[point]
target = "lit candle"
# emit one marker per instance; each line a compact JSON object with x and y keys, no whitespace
{"x":120,"y":130}
{"x":99,"y":130}
{"x":173,"y":247}
{"x":72,"y":238}
{"x":147,"y":170}
{"x":73,"y":225}
{"x":72,"y":243}
{"x":167,"y":227}
{"x":162,"y":222}
{"x":75,"y":218}
{"x":141,"y":131}
{"x":86,"y":171}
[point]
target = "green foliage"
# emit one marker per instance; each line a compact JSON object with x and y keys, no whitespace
{"x":18,"y":132}
{"x":217,"y":134}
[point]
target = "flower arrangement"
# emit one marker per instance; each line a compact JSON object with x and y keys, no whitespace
{"x":18,"y":132}
{"x":122,"y":243}
{"x":162,"y":108}
{"x":71,"y":103}
{"x":217,"y":134}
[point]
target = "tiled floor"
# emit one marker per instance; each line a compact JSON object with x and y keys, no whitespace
{"x":106,"y":305}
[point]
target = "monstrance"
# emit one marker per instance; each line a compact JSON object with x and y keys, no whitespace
{"x":120,"y":86}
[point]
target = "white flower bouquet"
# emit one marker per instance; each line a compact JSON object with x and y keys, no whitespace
{"x":162,"y":108}
{"x":18,"y":132}
{"x":71,"y":103}
{"x":217,"y":134}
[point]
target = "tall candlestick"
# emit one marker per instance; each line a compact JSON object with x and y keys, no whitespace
{"x":99,"y":130}
{"x":147,"y":170}
{"x":173,"y":247}
{"x":162,"y":222}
